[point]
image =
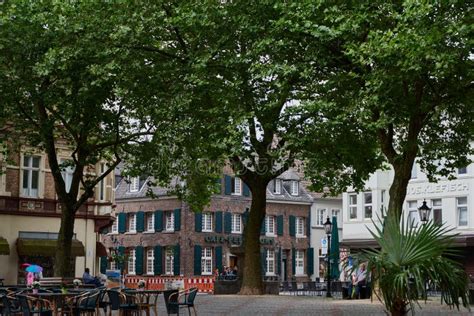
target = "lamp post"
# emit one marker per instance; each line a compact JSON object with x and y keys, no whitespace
{"x":328,"y":229}
{"x":424,"y":212}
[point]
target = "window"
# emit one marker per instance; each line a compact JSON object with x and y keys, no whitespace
{"x":320,"y":216}
{"x":353,"y":206}
{"x":132,"y":222}
{"x":300,"y":231}
{"x":270,"y":262}
{"x":294,"y":187}
{"x":150,"y":222}
{"x":131,"y":262}
{"x":67,"y":174}
{"x":206,"y":261}
{"x":236,"y":224}
{"x":270,"y":225}
{"x":31,"y":169}
{"x":150,"y":261}
{"x":114,"y":229}
{"x":113,"y":265}
{"x":169,"y":260}
{"x":102,"y":183}
{"x":413,"y":171}
{"x":169,"y":220}
{"x":237,"y":187}
{"x":299,"y":262}
{"x":437,"y":211}
{"x":462,"y":170}
{"x":336,"y":213}
{"x":413,"y":213}
{"x":207,"y":222}
{"x":462,"y":210}
{"x":134,"y":184}
{"x":368,"y":205}
{"x":277,"y":186}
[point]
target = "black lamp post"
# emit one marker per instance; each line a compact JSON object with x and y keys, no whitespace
{"x":328,"y":230}
{"x":424,"y":212}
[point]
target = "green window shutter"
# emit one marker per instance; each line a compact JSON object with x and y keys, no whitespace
{"x":310,"y":261}
{"x":262,"y":227}
{"x":177,"y":219}
{"x":197,"y":259}
{"x":293,"y":261}
{"x":158,"y":220}
{"x":121,"y":252}
{"x":227,"y":222}
{"x":228,"y":185}
{"x":139,"y":260}
{"x":140,"y":221}
{"x":103,"y":264}
{"x":218,"y":254}
{"x":158,"y":264}
{"x":246,"y":190}
{"x":198,"y":223}
{"x":308,"y":226}
{"x":292,"y":226}
{"x":263,"y":260}
{"x":122,"y":223}
{"x":279,"y":262}
{"x":218,"y":222}
{"x":280,"y":225}
{"x":176,"y":262}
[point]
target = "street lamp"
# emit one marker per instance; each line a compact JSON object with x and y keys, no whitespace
{"x":328,"y":230}
{"x":424,"y":212}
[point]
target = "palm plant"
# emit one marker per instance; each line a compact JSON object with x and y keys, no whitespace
{"x":410,"y":256}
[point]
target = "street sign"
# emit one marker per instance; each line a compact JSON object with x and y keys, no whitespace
{"x":324,"y":246}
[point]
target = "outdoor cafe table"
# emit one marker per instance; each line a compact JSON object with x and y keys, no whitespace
{"x":144,"y":297}
{"x":56,"y":299}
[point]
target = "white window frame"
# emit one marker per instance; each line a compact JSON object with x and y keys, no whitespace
{"x":206,"y":261}
{"x":294,"y":187}
{"x":368,"y":205}
{"x":134,"y":184}
{"x":277,"y":186}
{"x":150,"y":222}
{"x":413,"y":216}
{"x":114,"y":228}
{"x":169,"y":221}
{"x":169,"y":261}
{"x":237,"y":189}
{"x":132,"y":222}
{"x":461,"y":207}
{"x":207,"y":222}
{"x":336,"y":212}
{"x":236,"y":223}
{"x":299,"y":262}
{"x":150,"y":261}
{"x":437,"y":205}
{"x":270,"y":262}
{"x":30,"y":191}
{"x":320,"y":216}
{"x":67,"y":175}
{"x":132,"y":260}
{"x":300,"y":226}
{"x":352,"y":206}
{"x":270,"y":225}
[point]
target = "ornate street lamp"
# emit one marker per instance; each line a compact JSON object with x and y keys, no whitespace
{"x":424,"y":212}
{"x":328,"y":230}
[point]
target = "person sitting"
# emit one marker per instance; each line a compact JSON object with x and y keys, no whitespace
{"x":361,"y":279}
{"x":88,"y":279}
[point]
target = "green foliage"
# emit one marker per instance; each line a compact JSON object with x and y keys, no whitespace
{"x":411,"y":256}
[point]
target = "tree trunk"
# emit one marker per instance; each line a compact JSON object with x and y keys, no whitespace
{"x":252,"y":283}
{"x":62,"y":266}
{"x":398,"y":189}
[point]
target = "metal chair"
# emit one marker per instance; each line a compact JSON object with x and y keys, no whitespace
{"x":34,"y":306}
{"x":8,"y":306}
{"x":171,"y":308}
{"x":175,"y":299}
{"x":122,"y":302}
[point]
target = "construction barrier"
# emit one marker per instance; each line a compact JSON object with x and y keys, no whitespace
{"x":203,"y":284}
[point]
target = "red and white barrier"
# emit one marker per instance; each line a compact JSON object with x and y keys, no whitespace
{"x":203,"y":284}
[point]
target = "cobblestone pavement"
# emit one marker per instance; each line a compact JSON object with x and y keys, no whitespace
{"x":300,"y":305}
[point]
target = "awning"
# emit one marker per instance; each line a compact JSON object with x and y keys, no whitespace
{"x":100,"y":249}
{"x":45,"y":247}
{"x":359,"y":243}
{"x":4,"y":247}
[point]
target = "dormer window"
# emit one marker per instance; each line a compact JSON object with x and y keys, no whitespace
{"x":134,"y":184}
{"x":294,"y":187}
{"x":277,"y":186}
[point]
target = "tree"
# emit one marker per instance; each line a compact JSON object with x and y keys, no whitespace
{"x":62,"y":81}
{"x":405,"y":73}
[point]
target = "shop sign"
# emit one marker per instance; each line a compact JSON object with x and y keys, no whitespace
{"x":235,"y":240}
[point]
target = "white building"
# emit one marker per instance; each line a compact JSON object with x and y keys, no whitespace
{"x":452,"y":202}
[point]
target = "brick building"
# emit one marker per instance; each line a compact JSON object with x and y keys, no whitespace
{"x":164,"y":237}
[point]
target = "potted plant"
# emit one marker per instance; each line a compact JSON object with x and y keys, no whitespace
{"x":35,"y":285}
{"x":76,"y":283}
{"x":407,"y":258}
{"x":141,"y":285}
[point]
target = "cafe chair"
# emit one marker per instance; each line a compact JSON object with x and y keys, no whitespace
{"x":124,"y":303}
{"x":31,"y":306}
{"x":8,"y":306}
{"x":183,"y":299}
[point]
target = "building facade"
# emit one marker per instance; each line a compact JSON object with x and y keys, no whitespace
{"x":163,"y":237}
{"x":451,"y":201}
{"x":30,"y":215}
